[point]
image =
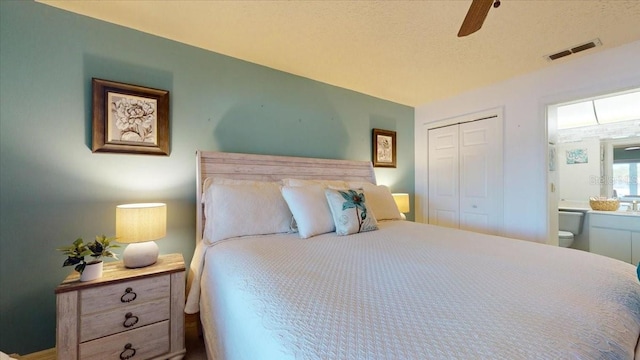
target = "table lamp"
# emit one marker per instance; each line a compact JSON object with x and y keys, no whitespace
{"x":402,"y":201}
{"x":139,"y":225}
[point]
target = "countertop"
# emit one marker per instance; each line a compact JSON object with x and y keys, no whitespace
{"x":618,"y":213}
{"x":584,"y":207}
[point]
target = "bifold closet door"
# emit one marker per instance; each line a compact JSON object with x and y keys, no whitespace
{"x":465,"y":176}
{"x":444,"y":176}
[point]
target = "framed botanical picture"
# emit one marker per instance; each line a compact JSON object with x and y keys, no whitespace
{"x":129,"y":118}
{"x":384,"y":148}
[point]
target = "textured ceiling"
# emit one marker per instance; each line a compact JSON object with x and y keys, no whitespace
{"x":402,"y":51}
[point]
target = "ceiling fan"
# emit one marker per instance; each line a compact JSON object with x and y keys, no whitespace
{"x":475,"y":16}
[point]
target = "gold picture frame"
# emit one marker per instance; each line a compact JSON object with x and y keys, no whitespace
{"x":384,"y":148}
{"x":129,"y":118}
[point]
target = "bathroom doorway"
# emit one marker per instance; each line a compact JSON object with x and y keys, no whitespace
{"x":593,"y":150}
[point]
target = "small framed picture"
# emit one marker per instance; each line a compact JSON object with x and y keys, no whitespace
{"x":129,"y":118}
{"x":384,"y":148}
{"x":577,"y":156}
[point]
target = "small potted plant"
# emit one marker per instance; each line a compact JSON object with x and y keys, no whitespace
{"x":76,"y":253}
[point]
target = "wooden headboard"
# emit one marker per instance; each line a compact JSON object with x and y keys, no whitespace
{"x":271,"y":168}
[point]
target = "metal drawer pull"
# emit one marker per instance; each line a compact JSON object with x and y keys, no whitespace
{"x":129,"y":320}
{"x":128,"y":352}
{"x":128,"y":295}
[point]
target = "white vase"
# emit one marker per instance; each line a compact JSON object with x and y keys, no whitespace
{"x":92,"y":271}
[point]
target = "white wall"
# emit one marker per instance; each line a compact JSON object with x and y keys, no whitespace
{"x":524,"y":99}
{"x":578,"y":182}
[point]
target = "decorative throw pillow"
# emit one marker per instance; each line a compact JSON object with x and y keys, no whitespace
{"x":310,"y":209}
{"x":350,"y":211}
{"x":241,"y":210}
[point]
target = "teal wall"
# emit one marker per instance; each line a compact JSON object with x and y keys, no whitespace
{"x":54,"y":189}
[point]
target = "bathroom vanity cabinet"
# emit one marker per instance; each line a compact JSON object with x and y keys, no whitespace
{"x":615,"y":235}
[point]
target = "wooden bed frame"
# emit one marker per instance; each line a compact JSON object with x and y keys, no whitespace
{"x":271,"y":168}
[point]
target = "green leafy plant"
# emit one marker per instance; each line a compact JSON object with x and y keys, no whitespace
{"x":96,"y":249}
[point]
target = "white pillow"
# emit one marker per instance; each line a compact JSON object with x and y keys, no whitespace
{"x":323,"y":183}
{"x":244,"y":209}
{"x":380,"y":199}
{"x":226,"y":181}
{"x":382,"y":203}
{"x":310,"y":209}
{"x":358,"y":184}
{"x":350,"y":211}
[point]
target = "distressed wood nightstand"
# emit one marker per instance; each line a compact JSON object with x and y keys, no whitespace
{"x":133,"y":314}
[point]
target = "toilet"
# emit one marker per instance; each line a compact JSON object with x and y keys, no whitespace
{"x":570,"y":224}
{"x":565,"y":238}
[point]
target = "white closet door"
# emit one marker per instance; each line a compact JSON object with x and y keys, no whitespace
{"x":481,"y":176}
{"x":465,"y":176}
{"x":444,"y":177}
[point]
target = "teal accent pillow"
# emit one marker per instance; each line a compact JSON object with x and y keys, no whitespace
{"x":350,"y":211}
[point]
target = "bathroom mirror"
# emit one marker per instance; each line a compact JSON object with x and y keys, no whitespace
{"x":625,"y":163}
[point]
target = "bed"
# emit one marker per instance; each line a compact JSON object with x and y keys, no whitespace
{"x":281,"y":286}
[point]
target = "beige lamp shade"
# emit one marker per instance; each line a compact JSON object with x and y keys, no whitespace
{"x":402,"y":201}
{"x":141,"y":222}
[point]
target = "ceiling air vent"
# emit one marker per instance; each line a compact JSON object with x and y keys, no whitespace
{"x":560,"y":54}
{"x":573,"y":50}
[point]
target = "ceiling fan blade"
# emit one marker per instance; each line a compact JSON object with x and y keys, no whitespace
{"x":475,"y":17}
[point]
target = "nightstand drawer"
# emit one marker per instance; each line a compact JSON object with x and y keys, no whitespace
{"x":126,"y":318}
{"x":114,"y":296}
{"x":145,"y":342}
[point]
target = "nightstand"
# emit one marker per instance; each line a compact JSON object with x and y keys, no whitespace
{"x":127,"y":314}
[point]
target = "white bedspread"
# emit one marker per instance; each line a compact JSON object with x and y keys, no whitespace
{"x":414,"y":291}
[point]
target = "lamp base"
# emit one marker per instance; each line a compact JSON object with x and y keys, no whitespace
{"x":141,"y":254}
